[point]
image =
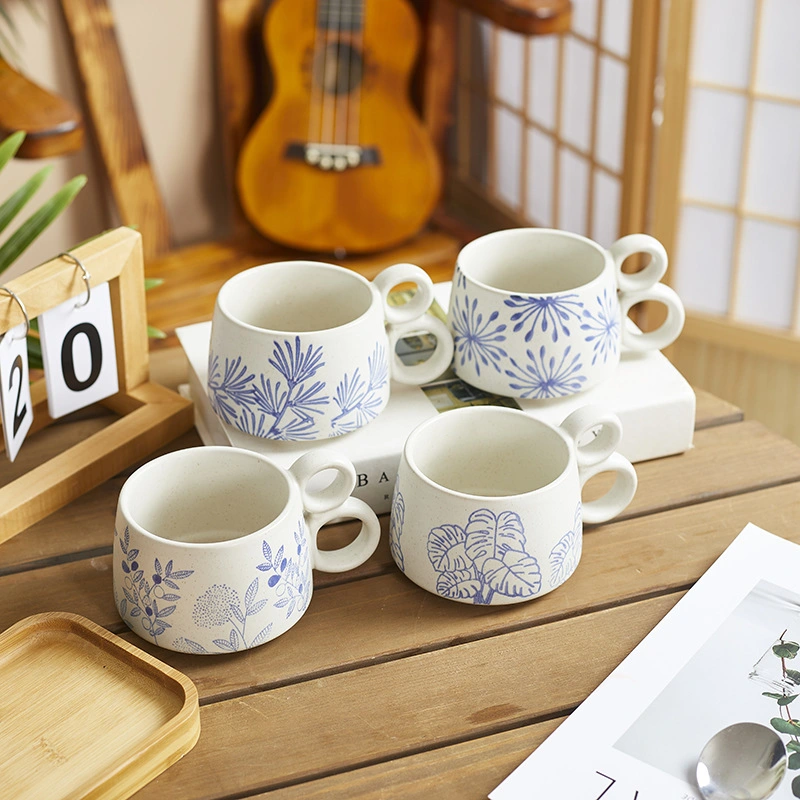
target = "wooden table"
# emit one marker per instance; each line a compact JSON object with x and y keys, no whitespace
{"x":383,"y":690}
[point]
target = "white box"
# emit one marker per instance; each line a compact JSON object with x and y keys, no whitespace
{"x":652,"y":399}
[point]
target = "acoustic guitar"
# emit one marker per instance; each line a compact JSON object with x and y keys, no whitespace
{"x":339,"y":160}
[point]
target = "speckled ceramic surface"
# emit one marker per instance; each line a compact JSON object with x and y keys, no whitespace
{"x":214,"y":546}
{"x":538,"y":313}
{"x":303,"y":351}
{"x":487,"y":505}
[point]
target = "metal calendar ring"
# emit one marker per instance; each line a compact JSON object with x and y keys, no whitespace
{"x":86,"y":278}
{"x":23,"y":309}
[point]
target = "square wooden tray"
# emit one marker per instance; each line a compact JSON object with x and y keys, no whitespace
{"x":84,"y":714}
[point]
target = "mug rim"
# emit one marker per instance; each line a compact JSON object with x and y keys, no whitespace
{"x":538,"y":232}
{"x":421,"y":429}
{"x":237,"y":452}
{"x":227,"y":287}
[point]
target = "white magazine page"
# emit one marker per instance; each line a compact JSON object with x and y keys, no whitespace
{"x":706,"y":665}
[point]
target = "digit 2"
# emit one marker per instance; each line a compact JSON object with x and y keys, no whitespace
{"x":96,"y":356}
{"x":19,"y":415}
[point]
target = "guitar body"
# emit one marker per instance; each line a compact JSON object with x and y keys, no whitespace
{"x":339,"y":160}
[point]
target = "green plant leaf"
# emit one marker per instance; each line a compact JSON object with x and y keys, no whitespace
{"x":793,"y":746}
{"x":9,"y":147}
{"x":794,"y":761}
{"x":15,"y":245}
{"x":786,"y":649}
{"x":786,"y":699}
{"x":155,"y":333}
{"x":784,"y":726}
{"x":773,"y":695}
{"x":151,"y":283}
{"x":793,"y":675}
{"x":35,"y":360}
{"x":796,"y":786}
{"x":13,"y":205}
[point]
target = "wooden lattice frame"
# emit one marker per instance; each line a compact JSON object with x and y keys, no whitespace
{"x":150,"y":415}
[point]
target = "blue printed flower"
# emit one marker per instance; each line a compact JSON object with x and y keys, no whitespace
{"x":477,"y":338}
{"x":549,"y":313}
{"x":544,"y":377}
{"x":602,"y":327}
{"x":289,"y":573}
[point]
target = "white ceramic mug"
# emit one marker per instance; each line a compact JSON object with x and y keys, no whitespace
{"x":540,"y":313}
{"x":487,"y":504}
{"x":302,"y":350}
{"x":214,"y":546}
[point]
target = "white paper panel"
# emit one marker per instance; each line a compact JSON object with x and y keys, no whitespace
{"x":713,"y":148}
{"x":480,"y":48}
{"x":605,"y":211}
{"x":576,"y":109}
{"x":773,"y":169}
{"x":539,"y":184}
{"x":573,"y":192}
{"x":508,"y":154}
{"x":543,"y":80}
{"x":767,"y":264}
{"x":611,"y":113}
{"x":510,"y":67}
{"x":721,"y":41}
{"x":702,"y":263}
{"x":584,"y":18}
{"x":778,"y":66}
{"x":616,"y":33}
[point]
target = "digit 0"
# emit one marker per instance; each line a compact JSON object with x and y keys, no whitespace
{"x":19,"y":413}
{"x":67,"y":359}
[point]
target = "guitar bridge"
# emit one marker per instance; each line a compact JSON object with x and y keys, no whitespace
{"x":336,"y":157}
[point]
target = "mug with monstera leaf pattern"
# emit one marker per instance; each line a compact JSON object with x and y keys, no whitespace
{"x":487,"y":504}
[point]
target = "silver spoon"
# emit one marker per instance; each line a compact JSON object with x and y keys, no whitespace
{"x":745,"y":761}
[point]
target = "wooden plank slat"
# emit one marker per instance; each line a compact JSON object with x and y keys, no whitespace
{"x":725,"y":460}
{"x":387,"y":617}
{"x":457,"y":772}
{"x":711,"y":410}
{"x":116,"y":126}
{"x":430,"y":700}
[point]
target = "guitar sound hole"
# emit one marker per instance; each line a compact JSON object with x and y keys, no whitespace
{"x":338,"y":68}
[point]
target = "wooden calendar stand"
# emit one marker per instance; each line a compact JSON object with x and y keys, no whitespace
{"x":150,"y":415}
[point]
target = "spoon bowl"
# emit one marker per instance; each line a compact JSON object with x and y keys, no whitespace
{"x":745,"y":761}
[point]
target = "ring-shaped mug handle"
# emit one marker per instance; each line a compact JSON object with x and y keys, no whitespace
{"x":332,"y":503}
{"x":599,"y":455}
{"x":644,"y":285}
{"x":411,"y":318}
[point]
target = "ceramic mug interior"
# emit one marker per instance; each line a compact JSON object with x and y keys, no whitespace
{"x":532,"y":261}
{"x":295,"y":297}
{"x":204,"y":495}
{"x":488,"y":452}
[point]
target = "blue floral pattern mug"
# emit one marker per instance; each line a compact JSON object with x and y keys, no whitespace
{"x":214,"y":546}
{"x":539,"y":313}
{"x":302,"y":351}
{"x":487,"y":503}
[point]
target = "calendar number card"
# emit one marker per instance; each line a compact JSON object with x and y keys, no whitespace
{"x":95,"y":348}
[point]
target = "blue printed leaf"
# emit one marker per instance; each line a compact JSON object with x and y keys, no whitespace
{"x":490,"y":536}
{"x":256,"y":607}
{"x":446,"y":548}
{"x":458,"y":585}
{"x":165,"y":612}
{"x":516,"y":575}
{"x":250,"y":594}
{"x":194,"y":646}
{"x":136,"y":611}
{"x":235,"y":610}
{"x":224,"y":644}
{"x":262,"y":636}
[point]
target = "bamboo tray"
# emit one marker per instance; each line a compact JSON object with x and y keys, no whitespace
{"x":85,"y":714}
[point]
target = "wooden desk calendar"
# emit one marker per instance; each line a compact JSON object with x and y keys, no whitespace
{"x":150,"y":415}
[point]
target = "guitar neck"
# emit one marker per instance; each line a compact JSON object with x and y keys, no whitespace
{"x":340,"y":15}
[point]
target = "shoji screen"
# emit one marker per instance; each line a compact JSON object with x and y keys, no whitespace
{"x":737,"y":249}
{"x":543,"y":121}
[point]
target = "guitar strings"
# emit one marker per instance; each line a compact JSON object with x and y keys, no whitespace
{"x":356,"y":52}
{"x":315,"y":106}
{"x":331,"y":56}
{"x":342,"y":106}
